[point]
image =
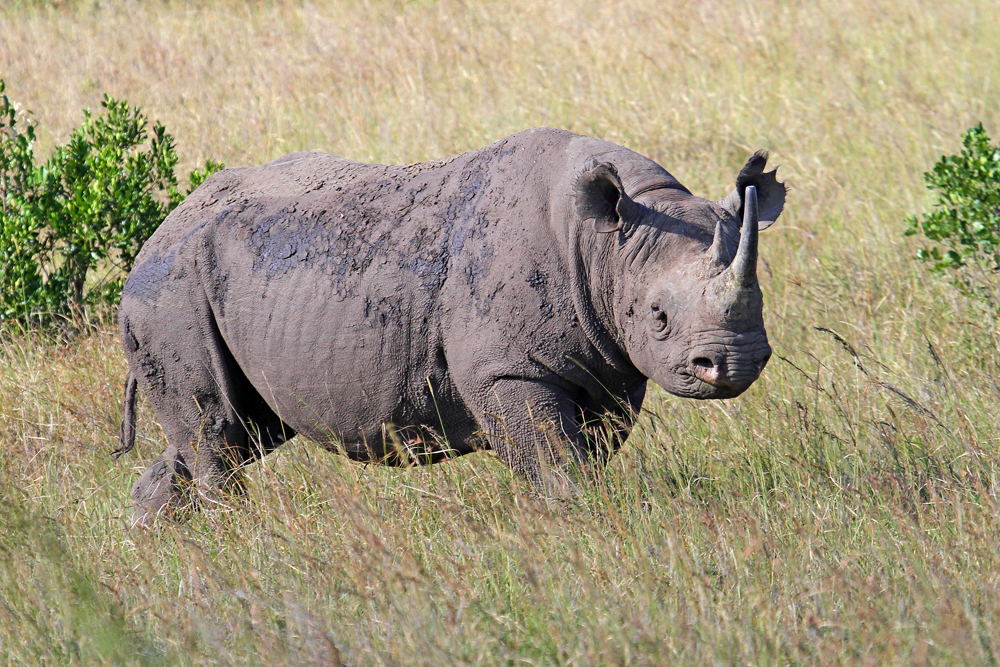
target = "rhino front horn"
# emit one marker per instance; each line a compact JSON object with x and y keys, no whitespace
{"x":744,"y":266}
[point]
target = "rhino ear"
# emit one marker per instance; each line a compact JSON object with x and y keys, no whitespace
{"x":770,"y":193}
{"x":600,"y":196}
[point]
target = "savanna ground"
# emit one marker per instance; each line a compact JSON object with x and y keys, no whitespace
{"x":842,"y":511}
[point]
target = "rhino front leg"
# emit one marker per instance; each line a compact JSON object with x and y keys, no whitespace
{"x":607,"y":421}
{"x":532,"y":426}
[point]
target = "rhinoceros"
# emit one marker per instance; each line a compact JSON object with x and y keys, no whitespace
{"x":515,"y":298}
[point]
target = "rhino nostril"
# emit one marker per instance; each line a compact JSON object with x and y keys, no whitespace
{"x":703,"y":362}
{"x":708,"y":371}
{"x":763,"y":362}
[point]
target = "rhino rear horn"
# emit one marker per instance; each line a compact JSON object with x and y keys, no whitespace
{"x":600,"y":196}
{"x":770,"y":193}
{"x":719,"y":252}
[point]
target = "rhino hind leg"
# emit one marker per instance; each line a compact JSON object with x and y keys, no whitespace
{"x":215,"y":420}
{"x":162,"y":488}
{"x":204,"y":460}
{"x":196,"y":471}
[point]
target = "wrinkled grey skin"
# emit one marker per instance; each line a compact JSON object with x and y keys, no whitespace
{"x":513,"y":298}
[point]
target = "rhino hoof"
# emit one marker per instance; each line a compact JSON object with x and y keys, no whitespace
{"x":162,"y":485}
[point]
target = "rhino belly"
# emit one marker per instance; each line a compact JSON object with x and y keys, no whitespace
{"x":345,"y":367}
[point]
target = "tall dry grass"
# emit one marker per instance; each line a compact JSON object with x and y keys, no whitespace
{"x":843,"y":511}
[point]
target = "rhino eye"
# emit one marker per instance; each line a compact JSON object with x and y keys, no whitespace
{"x":659,"y":317}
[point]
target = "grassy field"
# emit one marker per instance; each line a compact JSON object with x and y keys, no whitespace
{"x":842,"y":511}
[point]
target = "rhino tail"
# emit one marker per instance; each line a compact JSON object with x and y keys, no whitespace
{"x":126,"y":436}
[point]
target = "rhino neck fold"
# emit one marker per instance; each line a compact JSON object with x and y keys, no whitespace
{"x":595,"y":289}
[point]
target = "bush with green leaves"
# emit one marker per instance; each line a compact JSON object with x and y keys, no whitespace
{"x":965,"y":222}
{"x":71,"y":227}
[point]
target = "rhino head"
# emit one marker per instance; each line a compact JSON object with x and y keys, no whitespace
{"x":687,"y":305}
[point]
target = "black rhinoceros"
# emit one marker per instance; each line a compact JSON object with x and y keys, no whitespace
{"x":514,"y":298}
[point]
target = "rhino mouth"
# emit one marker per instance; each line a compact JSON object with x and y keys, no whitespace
{"x":713,"y":375}
{"x":713,"y":389}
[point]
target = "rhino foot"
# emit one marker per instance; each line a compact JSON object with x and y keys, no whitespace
{"x":163,"y":486}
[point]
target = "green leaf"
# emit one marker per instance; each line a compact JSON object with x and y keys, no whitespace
{"x":965,"y":220}
{"x":84,"y":211}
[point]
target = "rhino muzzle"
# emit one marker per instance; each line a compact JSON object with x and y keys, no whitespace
{"x":732,"y":372}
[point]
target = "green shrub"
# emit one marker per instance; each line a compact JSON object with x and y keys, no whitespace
{"x":71,"y":227}
{"x":965,"y":222}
